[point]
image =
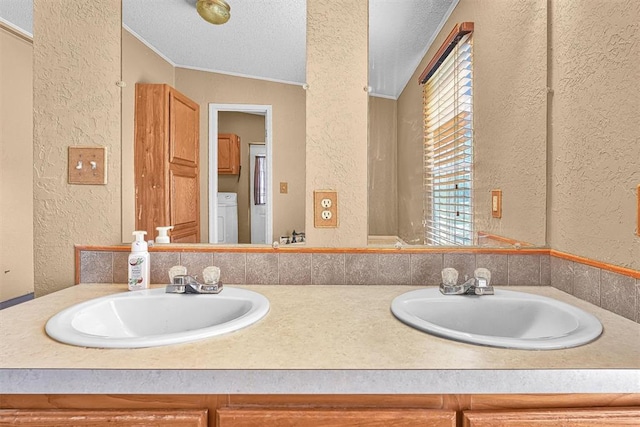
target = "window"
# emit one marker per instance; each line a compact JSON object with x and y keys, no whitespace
{"x":448,"y":144}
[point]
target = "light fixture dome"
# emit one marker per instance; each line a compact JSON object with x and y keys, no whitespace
{"x":214,"y":11}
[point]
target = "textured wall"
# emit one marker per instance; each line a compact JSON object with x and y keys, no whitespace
{"x":76,"y":102}
{"x":383,"y":167}
{"x":337,"y":69}
{"x":139,"y":65}
{"x":288,"y":136}
{"x":16,"y":166}
{"x":595,"y":139}
{"x":510,"y":68}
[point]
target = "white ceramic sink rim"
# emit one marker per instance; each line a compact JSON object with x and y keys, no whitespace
{"x":508,"y":319}
{"x":151,"y":317}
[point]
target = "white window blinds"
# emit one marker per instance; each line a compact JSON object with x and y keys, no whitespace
{"x":448,"y":148}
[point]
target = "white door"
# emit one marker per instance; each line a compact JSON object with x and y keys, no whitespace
{"x":258,"y":193}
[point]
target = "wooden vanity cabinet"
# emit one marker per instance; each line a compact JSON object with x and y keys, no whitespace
{"x":321,"y":417}
{"x":280,"y":410}
{"x":228,"y":154}
{"x":96,"y":417}
{"x":167,"y":134}
{"x":578,"y":417}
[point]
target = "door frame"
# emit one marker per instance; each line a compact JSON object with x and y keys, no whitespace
{"x":214,"y":109}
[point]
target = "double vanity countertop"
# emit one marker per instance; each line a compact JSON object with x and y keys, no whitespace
{"x":314,"y":340}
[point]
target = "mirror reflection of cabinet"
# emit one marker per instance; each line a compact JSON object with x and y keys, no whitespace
{"x":228,"y":154}
{"x":166,"y":162}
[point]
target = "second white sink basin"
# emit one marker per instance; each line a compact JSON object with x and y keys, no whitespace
{"x":507,"y":319}
{"x":152,"y":318}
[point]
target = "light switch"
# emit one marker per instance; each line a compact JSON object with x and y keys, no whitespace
{"x":284,"y":188}
{"x":88,"y":165}
{"x":638,"y":209}
{"x":496,"y":203}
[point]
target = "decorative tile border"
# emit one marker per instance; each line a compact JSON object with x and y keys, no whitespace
{"x":613,"y":288}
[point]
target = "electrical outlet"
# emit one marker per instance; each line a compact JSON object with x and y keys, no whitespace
{"x":325,"y":209}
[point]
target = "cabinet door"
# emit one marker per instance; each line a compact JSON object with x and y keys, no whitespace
{"x":254,"y":417}
{"x":579,"y":417}
{"x":87,"y":417}
{"x":228,"y":154}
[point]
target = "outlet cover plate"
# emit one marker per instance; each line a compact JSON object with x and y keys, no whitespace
{"x":318,"y":209}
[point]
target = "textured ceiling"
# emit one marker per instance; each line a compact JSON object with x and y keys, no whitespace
{"x":266,"y":39}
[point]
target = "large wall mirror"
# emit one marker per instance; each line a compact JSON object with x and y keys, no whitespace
{"x":509,"y":127}
{"x":510,"y":107}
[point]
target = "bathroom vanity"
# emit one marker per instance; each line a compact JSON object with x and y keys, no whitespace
{"x":326,"y":355}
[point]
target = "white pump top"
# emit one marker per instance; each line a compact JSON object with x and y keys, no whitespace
{"x":139,"y":245}
{"x":162,"y":234}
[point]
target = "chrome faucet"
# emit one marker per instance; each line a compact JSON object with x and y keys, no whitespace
{"x":477,"y":285}
{"x":185,"y":284}
{"x":182,"y":283}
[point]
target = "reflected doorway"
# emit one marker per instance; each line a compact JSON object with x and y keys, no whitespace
{"x":242,"y":119}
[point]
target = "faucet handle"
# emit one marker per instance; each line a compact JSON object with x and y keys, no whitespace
{"x":211,"y":275}
{"x":482,"y":275}
{"x":449,"y":276}
{"x":177,"y":270}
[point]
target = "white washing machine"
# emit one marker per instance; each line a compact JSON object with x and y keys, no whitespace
{"x":227,"y":218}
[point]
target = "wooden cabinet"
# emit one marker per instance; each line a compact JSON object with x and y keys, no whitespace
{"x":167,"y":134}
{"x":117,"y":418}
{"x":228,"y":154}
{"x":238,"y":410}
{"x":321,"y":417}
{"x":579,"y":417}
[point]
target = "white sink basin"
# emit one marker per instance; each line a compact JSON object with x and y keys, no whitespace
{"x":152,"y":318}
{"x":507,"y":319}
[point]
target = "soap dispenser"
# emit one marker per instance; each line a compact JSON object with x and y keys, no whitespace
{"x":163,"y":237}
{"x":139,"y":263}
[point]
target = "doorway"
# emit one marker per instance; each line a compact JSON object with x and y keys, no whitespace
{"x":264,"y":230}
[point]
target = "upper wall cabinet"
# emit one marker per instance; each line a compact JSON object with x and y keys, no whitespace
{"x":166,"y":162}
{"x":228,"y":154}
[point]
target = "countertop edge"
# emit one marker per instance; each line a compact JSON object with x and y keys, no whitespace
{"x":317,"y":381}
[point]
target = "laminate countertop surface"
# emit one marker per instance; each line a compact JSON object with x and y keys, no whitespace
{"x":315,"y":339}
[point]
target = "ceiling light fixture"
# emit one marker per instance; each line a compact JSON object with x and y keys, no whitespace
{"x":214,"y":11}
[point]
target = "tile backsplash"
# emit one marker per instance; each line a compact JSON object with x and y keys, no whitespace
{"x":610,"y":290}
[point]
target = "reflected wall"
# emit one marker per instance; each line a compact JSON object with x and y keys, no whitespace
{"x":510,"y":111}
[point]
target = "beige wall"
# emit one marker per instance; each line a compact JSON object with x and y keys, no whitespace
{"x":383,"y":167}
{"x":509,"y":48}
{"x":288,"y":132}
{"x":76,"y":63}
{"x":337,"y":75}
{"x":140,"y":64}
{"x":16,"y":165}
{"x":595,"y":138}
{"x":250,"y":129}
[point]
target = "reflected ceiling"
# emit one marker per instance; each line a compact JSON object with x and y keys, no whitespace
{"x":267,"y":39}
